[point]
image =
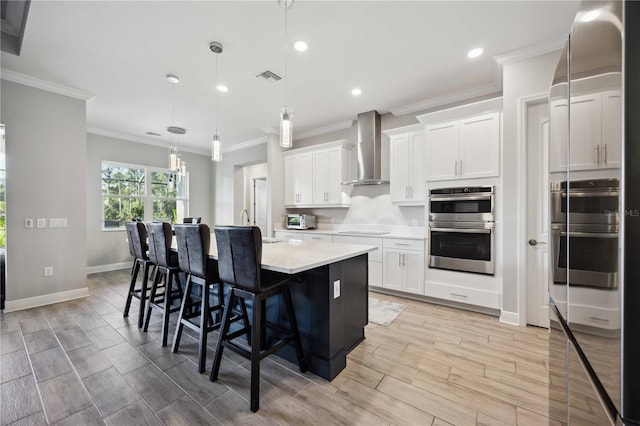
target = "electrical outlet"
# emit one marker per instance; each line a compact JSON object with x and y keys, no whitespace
{"x":28,"y":223}
{"x":336,"y":289}
{"x":48,"y":271}
{"x":41,"y":222}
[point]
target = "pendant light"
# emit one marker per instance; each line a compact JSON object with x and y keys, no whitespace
{"x":216,"y":151}
{"x":286,"y":115}
{"x":174,"y":153}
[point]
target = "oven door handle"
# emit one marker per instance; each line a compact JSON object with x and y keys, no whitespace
{"x":462,"y":198}
{"x":591,"y":194}
{"x":590,"y":234}
{"x":463,"y":230}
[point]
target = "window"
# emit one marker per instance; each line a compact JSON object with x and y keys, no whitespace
{"x":126,"y":195}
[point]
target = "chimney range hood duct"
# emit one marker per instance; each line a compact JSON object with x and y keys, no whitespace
{"x":369,"y":147}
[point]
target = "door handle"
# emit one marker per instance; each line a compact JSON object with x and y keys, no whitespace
{"x":534,"y":242}
{"x":604,"y":154}
{"x":598,"y":154}
{"x":455,"y":168}
{"x":460,"y":167}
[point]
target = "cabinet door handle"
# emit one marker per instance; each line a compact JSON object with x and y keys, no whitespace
{"x":403,"y":259}
{"x":455,"y":168}
{"x":598,"y":155}
{"x":460,"y":167}
{"x":604,"y":154}
{"x":464,"y":296}
{"x":399,"y":259}
{"x":410,"y":191}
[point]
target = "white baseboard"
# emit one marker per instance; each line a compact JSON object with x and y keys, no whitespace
{"x":512,"y":318}
{"x":45,"y":299}
{"x":110,"y":267}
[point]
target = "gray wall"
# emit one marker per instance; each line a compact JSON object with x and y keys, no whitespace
{"x":46,"y":175}
{"x":521,"y":79}
{"x":110,"y":247}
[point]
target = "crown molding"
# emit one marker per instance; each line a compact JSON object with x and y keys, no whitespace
{"x":448,"y":99}
{"x":529,"y":52}
{"x":145,"y":140}
{"x":244,"y":145}
{"x":324,"y":129}
{"x":45,"y":85}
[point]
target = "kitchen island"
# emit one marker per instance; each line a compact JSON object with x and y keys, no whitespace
{"x":330,"y":297}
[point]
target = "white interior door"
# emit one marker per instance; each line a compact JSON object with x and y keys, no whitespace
{"x":538,"y":214}
{"x":260,"y":204}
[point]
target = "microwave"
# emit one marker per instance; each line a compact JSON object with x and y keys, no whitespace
{"x":301,"y":221}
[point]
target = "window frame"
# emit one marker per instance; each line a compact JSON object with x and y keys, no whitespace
{"x":147,"y":198}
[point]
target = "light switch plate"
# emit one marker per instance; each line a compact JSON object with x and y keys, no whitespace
{"x":58,"y":222}
{"x":41,"y":222}
{"x":28,"y":223}
{"x":336,"y":289}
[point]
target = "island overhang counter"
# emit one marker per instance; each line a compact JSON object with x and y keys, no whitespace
{"x":330,"y":296}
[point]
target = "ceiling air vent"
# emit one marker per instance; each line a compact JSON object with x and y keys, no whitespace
{"x":269,"y":76}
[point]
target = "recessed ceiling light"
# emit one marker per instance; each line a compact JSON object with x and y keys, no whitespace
{"x":356,"y":92}
{"x":222,"y":88}
{"x":590,"y":15}
{"x":173,"y":78}
{"x":474,"y":53}
{"x":300,"y":46}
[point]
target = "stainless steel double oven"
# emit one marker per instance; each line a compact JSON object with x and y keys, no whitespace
{"x":461,"y":229}
{"x":590,"y":220}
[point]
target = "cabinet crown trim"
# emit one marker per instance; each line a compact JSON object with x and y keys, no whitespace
{"x":462,"y":111}
{"x":413,"y":128}
{"x":341,"y":143}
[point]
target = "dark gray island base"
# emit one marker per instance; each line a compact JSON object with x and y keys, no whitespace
{"x":330,"y":297}
{"x":330,"y":327}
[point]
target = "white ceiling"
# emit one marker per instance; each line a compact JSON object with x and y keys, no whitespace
{"x":398,"y":53}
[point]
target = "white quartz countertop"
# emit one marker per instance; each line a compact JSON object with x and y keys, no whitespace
{"x":359,"y":233}
{"x":292,"y":257}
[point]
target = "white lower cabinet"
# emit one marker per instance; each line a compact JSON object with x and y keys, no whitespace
{"x":375,"y":257}
{"x":468,"y":295}
{"x":289,"y":235}
{"x":403,"y":265}
{"x":312,"y":236}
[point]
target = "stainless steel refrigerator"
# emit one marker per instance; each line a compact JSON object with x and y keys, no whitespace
{"x":594,"y":170}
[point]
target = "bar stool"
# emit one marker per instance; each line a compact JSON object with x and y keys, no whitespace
{"x":239,"y":260}
{"x":193,"y":241}
{"x":137,"y":236}
{"x":160,"y":236}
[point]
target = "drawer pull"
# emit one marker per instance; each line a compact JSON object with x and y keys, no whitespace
{"x":459,"y":295}
{"x":599,"y":319}
{"x":401,"y":244}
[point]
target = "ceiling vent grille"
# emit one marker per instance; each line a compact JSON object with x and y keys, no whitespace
{"x":269,"y":76}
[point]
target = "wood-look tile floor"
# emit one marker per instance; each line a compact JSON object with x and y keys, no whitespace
{"x":82,"y":363}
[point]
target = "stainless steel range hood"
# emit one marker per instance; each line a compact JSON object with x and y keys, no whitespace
{"x":369,"y":147}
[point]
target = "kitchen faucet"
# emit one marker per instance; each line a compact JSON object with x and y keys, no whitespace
{"x":242,"y":213}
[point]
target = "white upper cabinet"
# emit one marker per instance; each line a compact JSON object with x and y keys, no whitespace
{"x":464,"y":149}
{"x":407,"y":168}
{"x":313,"y":176}
{"x":611,"y":145}
{"x":298,"y":179}
{"x":331,"y":167}
{"x":595,"y":127}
